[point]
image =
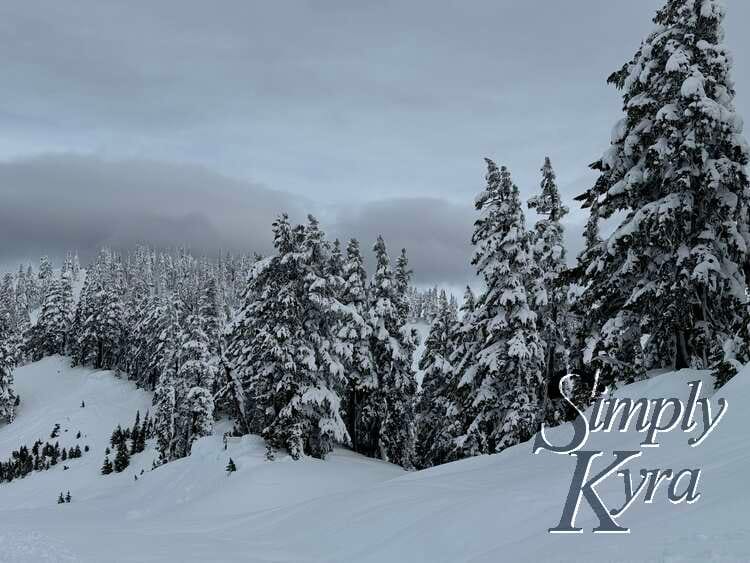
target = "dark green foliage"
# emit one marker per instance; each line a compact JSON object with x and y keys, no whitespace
{"x":231,"y":467}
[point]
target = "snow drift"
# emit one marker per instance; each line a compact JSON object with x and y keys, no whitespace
{"x":350,"y":508}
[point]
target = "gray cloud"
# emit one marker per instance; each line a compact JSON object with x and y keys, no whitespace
{"x":436,"y":234}
{"x":56,"y":203}
{"x":339,"y":103}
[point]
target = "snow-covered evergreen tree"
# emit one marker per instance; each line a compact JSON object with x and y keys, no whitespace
{"x":192,"y":386}
{"x":550,"y":303}
{"x":7,"y":393}
{"x":293,"y":374}
{"x":50,"y":333}
{"x":309,"y":418}
{"x":100,"y":331}
{"x":672,"y":274}
{"x":354,"y":335}
{"x":436,"y":399}
{"x":164,"y":419}
{"x":45,"y":276}
{"x":504,"y":388}
{"x":200,"y":405}
{"x":389,"y":412}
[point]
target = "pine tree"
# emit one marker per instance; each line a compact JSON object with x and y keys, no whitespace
{"x":99,"y":325}
{"x":122,"y":458}
{"x":169,"y":416}
{"x":402,"y":279}
{"x":61,"y":499}
{"x":193,"y":400}
{"x":231,"y":467}
{"x":50,"y":332}
{"x":550,"y":302}
{"x":107,"y":467}
{"x":8,"y":396}
{"x":164,"y":424}
{"x":135,"y":434}
{"x":435,"y":406}
{"x":354,"y":335}
{"x":213,"y":320}
{"x":45,"y":276}
{"x":389,"y":412}
{"x":200,"y":404}
{"x":502,"y":398}
{"x":671,"y":275}
{"x":306,"y":406}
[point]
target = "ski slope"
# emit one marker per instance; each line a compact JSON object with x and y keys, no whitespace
{"x":349,"y":508}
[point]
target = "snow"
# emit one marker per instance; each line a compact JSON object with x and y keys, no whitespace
{"x":350,"y":508}
{"x":693,"y":86}
{"x":423,"y":330}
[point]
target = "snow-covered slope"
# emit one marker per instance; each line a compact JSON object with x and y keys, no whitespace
{"x":349,"y":508}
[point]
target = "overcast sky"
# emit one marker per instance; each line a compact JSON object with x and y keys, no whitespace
{"x":181,"y":120}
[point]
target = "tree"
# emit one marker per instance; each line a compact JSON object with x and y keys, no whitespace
{"x":200,"y":403}
{"x":436,"y":399}
{"x":502,"y":398}
{"x":107,"y":467}
{"x":194,"y":406}
{"x":45,"y":275}
{"x":402,"y":278}
{"x":50,"y":332}
{"x":550,"y":302}
{"x":354,"y":335}
{"x":213,"y":318}
{"x":389,"y":412}
{"x":307,"y":417}
{"x":99,"y":326}
{"x":7,"y":393}
{"x":231,"y":467}
{"x":667,"y":287}
{"x":164,"y":425}
{"x":135,"y":434}
{"x":122,"y":458}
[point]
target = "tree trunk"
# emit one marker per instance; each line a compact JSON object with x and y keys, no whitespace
{"x":682,"y":358}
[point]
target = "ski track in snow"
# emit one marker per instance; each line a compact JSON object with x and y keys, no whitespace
{"x":349,"y":508}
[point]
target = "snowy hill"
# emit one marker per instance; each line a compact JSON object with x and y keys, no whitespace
{"x":350,"y":508}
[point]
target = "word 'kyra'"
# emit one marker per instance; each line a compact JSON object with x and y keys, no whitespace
{"x":650,"y":417}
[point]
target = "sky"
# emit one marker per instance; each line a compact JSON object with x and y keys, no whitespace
{"x":192,"y":122}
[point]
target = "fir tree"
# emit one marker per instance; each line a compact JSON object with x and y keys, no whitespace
{"x":389,"y":412}
{"x":122,"y":458}
{"x":164,"y":404}
{"x":107,"y":467}
{"x":200,"y":406}
{"x":550,"y":302}
{"x":7,"y":393}
{"x":671,"y":275}
{"x":307,"y":416}
{"x":50,"y":332}
{"x":45,"y":275}
{"x":435,"y":406}
{"x":231,"y":467}
{"x":193,"y":400}
{"x":502,"y":398}
{"x":354,"y":335}
{"x":135,"y":434}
